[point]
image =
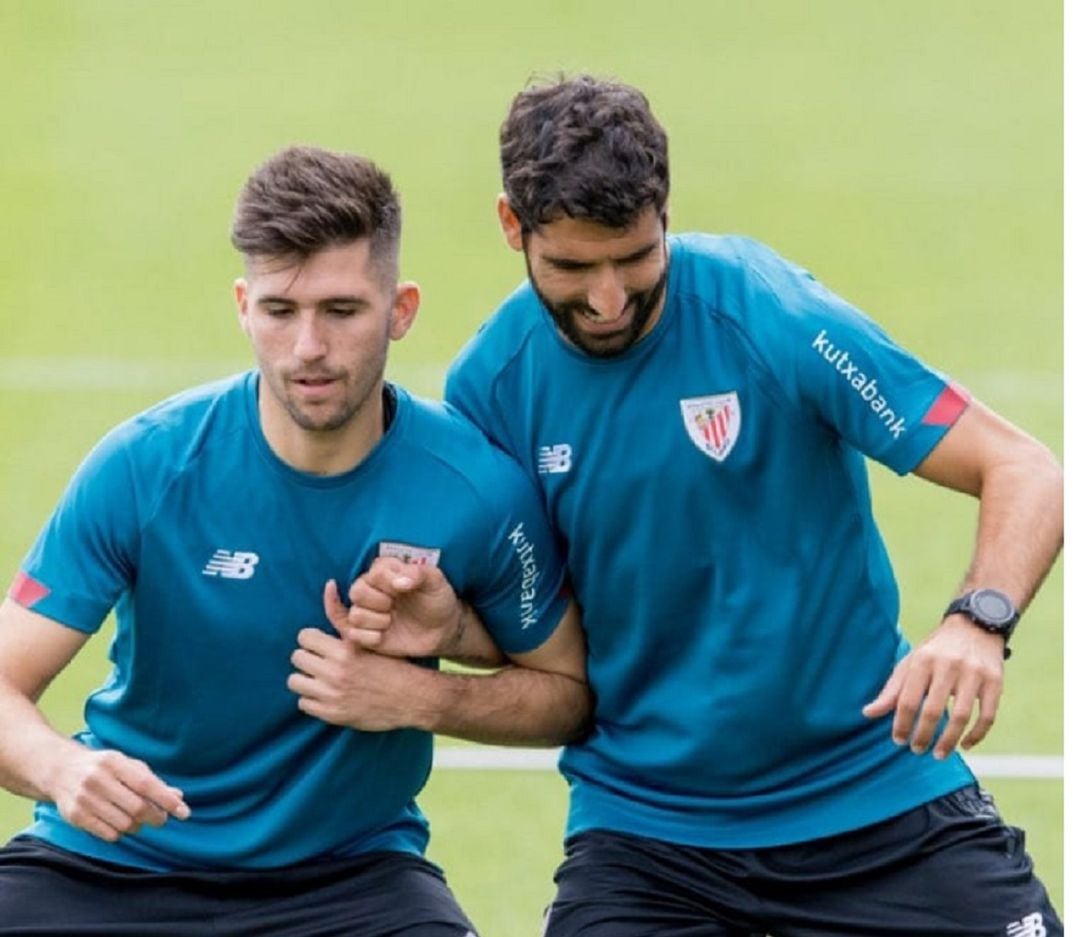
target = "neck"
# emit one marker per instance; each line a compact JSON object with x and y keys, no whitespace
{"x":322,"y":451}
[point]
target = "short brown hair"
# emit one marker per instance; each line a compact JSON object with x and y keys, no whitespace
{"x":304,"y":199}
{"x":583,"y":147}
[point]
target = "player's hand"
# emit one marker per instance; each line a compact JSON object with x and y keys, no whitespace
{"x":345,"y":685}
{"x":108,"y":794}
{"x":958,"y":661}
{"x":399,"y":609}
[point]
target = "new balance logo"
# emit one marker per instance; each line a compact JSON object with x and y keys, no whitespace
{"x":554,"y":460}
{"x":234,"y":565}
{"x":1030,"y":926}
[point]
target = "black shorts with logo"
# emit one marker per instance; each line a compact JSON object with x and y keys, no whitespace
{"x":950,"y":868}
{"x":50,"y":892}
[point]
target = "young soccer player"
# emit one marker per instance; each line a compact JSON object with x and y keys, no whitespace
{"x":223,"y":784}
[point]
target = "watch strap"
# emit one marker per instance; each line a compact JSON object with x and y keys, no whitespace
{"x":965,"y":605}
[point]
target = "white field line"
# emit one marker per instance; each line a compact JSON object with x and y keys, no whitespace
{"x":104,"y":374}
{"x":43,"y":374}
{"x":476,"y":758}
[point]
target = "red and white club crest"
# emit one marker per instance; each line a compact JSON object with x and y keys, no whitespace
{"x":712,"y":423}
{"x":407,"y":553}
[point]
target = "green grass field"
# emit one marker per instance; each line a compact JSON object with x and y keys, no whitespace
{"x":909,"y":154}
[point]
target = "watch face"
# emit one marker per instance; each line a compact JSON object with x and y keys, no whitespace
{"x":992,"y":606}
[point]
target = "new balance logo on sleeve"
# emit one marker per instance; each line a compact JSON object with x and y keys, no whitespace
{"x":231,"y":565}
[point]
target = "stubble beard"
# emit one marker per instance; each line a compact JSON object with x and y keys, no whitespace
{"x":644,"y":303}
{"x":358,"y":393}
{"x":328,"y":424}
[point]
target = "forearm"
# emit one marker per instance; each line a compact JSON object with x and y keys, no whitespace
{"x":30,"y":749}
{"x":1020,"y":528}
{"x":542,"y":698}
{"x":513,"y":706}
{"x":471,"y":645}
{"x":1019,"y":485}
{"x":957,"y":671}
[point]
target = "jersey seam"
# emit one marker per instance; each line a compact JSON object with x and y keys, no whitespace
{"x":767,"y":377}
{"x":894,"y":449}
{"x":175,"y":473}
{"x":491,"y":516}
{"x":512,"y":358}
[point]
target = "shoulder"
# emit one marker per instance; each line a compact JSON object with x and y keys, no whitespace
{"x":503,"y":337}
{"x":714,"y":250}
{"x":758,"y":296}
{"x":190,"y":408}
{"x":448,"y":444}
{"x":171,"y":433}
{"x":115,"y":491}
{"x":734,"y":271}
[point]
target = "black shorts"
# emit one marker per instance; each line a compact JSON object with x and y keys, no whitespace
{"x":50,"y":892}
{"x":950,"y":868}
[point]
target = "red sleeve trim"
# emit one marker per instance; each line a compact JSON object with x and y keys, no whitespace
{"x":951,"y":402}
{"x":27,"y":591}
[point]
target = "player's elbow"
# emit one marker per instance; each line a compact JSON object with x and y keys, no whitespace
{"x":1036,"y":469}
{"x":1031,"y":478}
{"x":580,"y":713}
{"x":1045,"y":472}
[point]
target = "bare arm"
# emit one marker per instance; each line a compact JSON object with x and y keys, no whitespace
{"x":105,"y":793}
{"x":542,"y":698}
{"x":33,"y":650}
{"x":1019,"y":486}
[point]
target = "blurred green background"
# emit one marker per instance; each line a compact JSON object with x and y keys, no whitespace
{"x":910,"y":155}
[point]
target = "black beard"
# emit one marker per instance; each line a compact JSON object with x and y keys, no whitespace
{"x":644,"y":302}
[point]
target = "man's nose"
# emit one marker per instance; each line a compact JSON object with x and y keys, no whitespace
{"x":310,"y":341}
{"x":607,"y":294}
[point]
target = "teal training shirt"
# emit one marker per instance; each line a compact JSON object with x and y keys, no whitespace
{"x":214,"y":553}
{"x":738,"y":602}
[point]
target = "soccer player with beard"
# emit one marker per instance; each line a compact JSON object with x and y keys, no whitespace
{"x":770,"y":754}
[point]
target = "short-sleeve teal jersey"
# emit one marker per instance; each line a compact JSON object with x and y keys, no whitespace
{"x":711,"y":488}
{"x":214,"y":553}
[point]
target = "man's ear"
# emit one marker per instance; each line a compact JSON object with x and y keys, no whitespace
{"x":510,"y":223}
{"x":240,"y":293}
{"x":406,"y":306}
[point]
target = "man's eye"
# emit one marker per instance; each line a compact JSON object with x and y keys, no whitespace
{"x":278,"y":312}
{"x":342,"y":311}
{"x":569,"y":266}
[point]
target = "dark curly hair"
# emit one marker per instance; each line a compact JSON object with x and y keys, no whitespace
{"x":585,"y":148}
{"x":304,"y":199}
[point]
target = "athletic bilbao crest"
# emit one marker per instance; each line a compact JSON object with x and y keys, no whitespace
{"x":712,"y":422}
{"x":407,"y":553}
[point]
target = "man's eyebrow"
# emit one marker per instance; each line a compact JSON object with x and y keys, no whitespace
{"x":345,"y":299}
{"x":639,"y":254}
{"x":573,"y":263}
{"x":276,"y":301}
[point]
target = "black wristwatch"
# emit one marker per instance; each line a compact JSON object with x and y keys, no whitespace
{"x":991,"y":610}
